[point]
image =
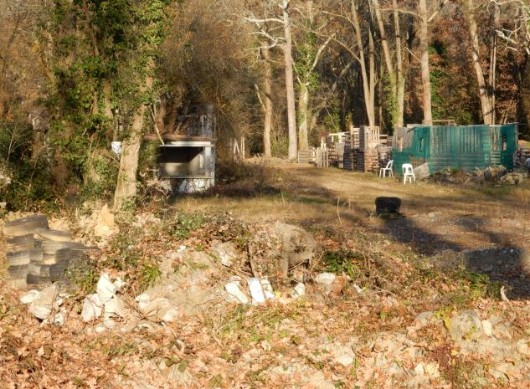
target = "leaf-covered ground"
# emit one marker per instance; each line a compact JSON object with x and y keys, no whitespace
{"x":416,"y":302}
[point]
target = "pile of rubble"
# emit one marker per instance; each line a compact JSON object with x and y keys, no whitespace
{"x":492,"y":174}
{"x":36,"y":254}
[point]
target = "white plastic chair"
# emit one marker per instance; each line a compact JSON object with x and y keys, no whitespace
{"x":408,"y":173}
{"x":387,"y":168}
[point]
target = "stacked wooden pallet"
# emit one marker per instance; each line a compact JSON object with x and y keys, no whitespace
{"x":322,"y":157}
{"x":367,"y":160}
{"x":367,"y":156}
{"x":351,"y":143}
{"x":306,"y":156}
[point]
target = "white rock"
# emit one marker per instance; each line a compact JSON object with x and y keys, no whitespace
{"x":419,"y":369}
{"x":299,"y":290}
{"x":105,"y":288}
{"x":115,"y":307}
{"x":92,"y":308}
{"x":142,"y":300}
{"x":487,"y":327}
{"x":234,"y":291}
{"x":43,"y":303}
{"x":100,"y":328}
{"x":29,"y":296}
{"x":59,"y":318}
{"x":109,"y":323}
{"x":160,"y":309}
{"x":256,"y":290}
{"x":326,"y":279}
{"x":119,"y":283}
{"x":267,"y":289}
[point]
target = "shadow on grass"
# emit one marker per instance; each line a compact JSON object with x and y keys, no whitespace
{"x":502,"y":261}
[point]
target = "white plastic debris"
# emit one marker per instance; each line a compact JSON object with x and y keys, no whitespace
{"x":105,"y":288}
{"x":92,"y":308}
{"x":43,"y":303}
{"x":256,"y":290}
{"x":233,"y":287}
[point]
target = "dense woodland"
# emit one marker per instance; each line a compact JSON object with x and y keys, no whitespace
{"x":78,"y":74}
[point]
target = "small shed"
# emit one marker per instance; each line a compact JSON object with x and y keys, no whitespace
{"x":459,"y":147}
{"x":186,"y":159}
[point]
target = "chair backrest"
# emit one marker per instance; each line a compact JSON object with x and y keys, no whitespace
{"x":407,"y":168}
{"x":389,"y":164}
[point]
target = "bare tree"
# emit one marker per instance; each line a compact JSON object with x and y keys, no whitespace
{"x":285,"y":42}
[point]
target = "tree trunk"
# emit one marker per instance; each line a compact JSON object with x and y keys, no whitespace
{"x":485,"y":101}
{"x":367,"y":85}
{"x":400,"y":78}
{"x":126,"y":186}
{"x":289,"y":83}
{"x":268,"y":108}
{"x":388,"y":61}
{"x":304,"y":117}
{"x":424,"y":60}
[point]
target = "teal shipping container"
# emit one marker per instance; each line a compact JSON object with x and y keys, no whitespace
{"x":456,"y":147}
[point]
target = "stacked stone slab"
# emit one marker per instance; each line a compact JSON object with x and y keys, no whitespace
{"x":35,"y":253}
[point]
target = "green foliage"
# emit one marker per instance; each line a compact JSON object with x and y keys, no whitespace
{"x":342,"y":262}
{"x":304,"y":58}
{"x":184,"y":224}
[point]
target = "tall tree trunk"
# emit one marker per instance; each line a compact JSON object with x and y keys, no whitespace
{"x":390,"y":70}
{"x":267,"y":108}
{"x":367,"y":85}
{"x":424,"y":60}
{"x":400,"y":77}
{"x":126,"y":188}
{"x":304,"y":117}
{"x":485,"y":101}
{"x":289,"y":82}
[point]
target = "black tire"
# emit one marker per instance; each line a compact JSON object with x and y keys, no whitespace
{"x":48,"y":259}
{"x":20,"y":243}
{"x":33,"y":279}
{"x":18,"y":258}
{"x":18,"y":271}
{"x":51,"y":247}
{"x":56,"y":236}
{"x":34,"y":268}
{"x":25,"y":225}
{"x":18,"y":283}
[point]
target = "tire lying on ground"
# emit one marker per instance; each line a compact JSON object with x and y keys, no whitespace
{"x":18,"y":258}
{"x":54,"y":235}
{"x":25,"y":225}
{"x":18,"y":272}
{"x":20,"y":243}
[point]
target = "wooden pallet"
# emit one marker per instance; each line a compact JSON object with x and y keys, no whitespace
{"x":307,"y":156}
{"x":367,"y":160}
